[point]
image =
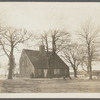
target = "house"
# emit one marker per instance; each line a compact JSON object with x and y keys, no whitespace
{"x":34,"y":64}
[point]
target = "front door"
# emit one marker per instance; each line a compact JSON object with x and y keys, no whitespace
{"x":45,"y":72}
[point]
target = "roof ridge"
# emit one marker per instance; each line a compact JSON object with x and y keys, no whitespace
{"x":36,"y":50}
{"x":30,"y":49}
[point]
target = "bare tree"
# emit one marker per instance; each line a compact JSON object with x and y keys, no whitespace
{"x":84,"y":60}
{"x":54,"y":41}
{"x":45,"y":41}
{"x":9,"y":39}
{"x":72,"y":56}
{"x":59,"y":40}
{"x":90,"y":38}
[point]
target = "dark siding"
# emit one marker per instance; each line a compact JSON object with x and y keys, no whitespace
{"x":39,"y":73}
{"x":67,"y":73}
{"x":63,"y":72}
{"x":31,"y":62}
{"x":25,"y":66}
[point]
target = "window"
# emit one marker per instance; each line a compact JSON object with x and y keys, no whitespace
{"x":56,"y":71}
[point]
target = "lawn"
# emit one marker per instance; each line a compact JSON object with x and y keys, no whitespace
{"x":50,"y":86}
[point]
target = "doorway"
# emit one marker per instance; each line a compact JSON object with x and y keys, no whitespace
{"x":45,"y":72}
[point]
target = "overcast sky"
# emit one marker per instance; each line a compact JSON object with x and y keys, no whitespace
{"x":37,"y":17}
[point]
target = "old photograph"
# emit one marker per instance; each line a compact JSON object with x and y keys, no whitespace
{"x":49,"y":47}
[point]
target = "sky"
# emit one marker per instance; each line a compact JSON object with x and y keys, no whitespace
{"x":37,"y":17}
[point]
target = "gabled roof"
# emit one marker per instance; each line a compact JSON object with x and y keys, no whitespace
{"x":41,"y":61}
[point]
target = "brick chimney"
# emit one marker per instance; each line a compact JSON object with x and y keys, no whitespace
{"x":42,"y":48}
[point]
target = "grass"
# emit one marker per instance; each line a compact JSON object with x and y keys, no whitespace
{"x":50,"y":86}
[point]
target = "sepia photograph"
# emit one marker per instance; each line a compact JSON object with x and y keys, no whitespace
{"x":49,"y":47}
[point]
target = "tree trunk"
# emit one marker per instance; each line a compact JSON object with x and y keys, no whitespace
{"x":75,"y":72}
{"x":90,"y":71}
{"x":10,"y":72}
{"x":89,"y":62}
{"x":90,"y":75}
{"x":90,"y":68}
{"x":11,"y":64}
